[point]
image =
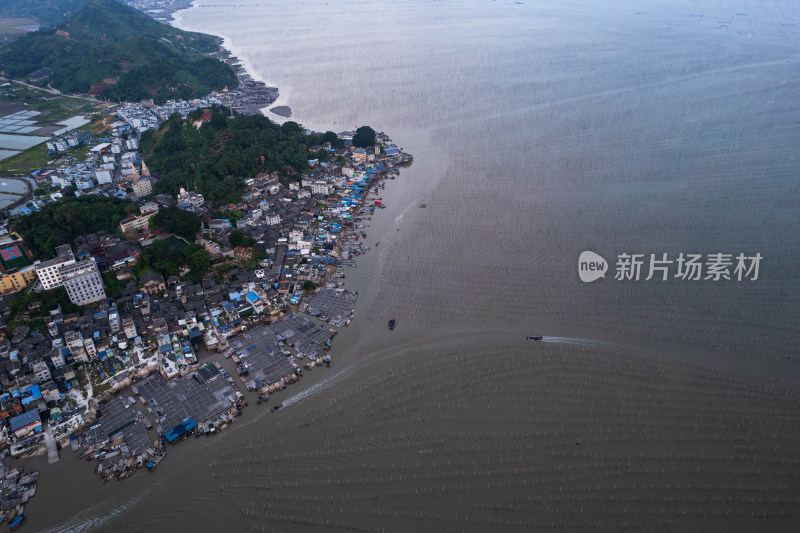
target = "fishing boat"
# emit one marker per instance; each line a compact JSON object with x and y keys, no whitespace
{"x":537,"y":338}
{"x":392,"y":323}
{"x":154,"y":463}
{"x":16,"y":523}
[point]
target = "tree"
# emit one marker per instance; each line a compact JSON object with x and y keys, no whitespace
{"x":199,"y":263}
{"x":292,"y":129}
{"x":309,"y":285}
{"x":177,"y":221}
{"x":236,"y":237}
{"x":365,"y":136}
{"x":60,"y":222}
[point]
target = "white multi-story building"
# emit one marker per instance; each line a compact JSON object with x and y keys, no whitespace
{"x":49,"y":272}
{"x":57,"y":358}
{"x":41,"y":371}
{"x":320,"y":187}
{"x":113,"y":320}
{"x":142,"y":187}
{"x":83,"y":282}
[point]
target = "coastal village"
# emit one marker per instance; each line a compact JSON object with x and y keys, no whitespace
{"x":125,"y":378}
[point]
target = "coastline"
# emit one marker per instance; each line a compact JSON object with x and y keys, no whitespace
{"x":575,"y":427}
{"x":346,"y":244}
{"x":19,"y":197}
{"x":244,"y":62}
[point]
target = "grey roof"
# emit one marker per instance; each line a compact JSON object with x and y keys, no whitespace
{"x":151,"y":275}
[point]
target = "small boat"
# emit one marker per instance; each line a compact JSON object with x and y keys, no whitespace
{"x":154,"y":463}
{"x":537,"y":338}
{"x":392,"y":323}
{"x":276,"y":407}
{"x":16,"y":523}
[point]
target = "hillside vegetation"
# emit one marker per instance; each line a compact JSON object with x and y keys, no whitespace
{"x":217,"y":158}
{"x":133,"y":55}
{"x":60,"y":222}
{"x":47,"y":13}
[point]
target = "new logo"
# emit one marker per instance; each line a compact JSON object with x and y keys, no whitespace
{"x":591,"y":266}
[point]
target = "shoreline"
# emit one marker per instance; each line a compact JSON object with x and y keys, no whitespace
{"x":21,"y":197}
{"x":375,"y":180}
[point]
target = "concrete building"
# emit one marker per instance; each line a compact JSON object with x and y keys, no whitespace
{"x":149,"y":208}
{"x":129,"y":327}
{"x":320,"y":187}
{"x":74,"y":341}
{"x":16,"y":280}
{"x":58,"y":359}
{"x":83,"y":282}
{"x":26,"y":423}
{"x":187,"y":198}
{"x":152,"y":282}
{"x":41,"y":371}
{"x":113,"y":320}
{"x":136,"y":222}
{"x":49,"y":272}
{"x":91,"y":351}
{"x":143,"y":187}
{"x":360,"y":155}
{"x":103,"y":176}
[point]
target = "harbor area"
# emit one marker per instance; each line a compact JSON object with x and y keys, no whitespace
{"x":121,"y":441}
{"x":334,"y":306}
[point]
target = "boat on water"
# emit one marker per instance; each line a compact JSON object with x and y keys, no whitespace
{"x":536,"y":338}
{"x":392,"y":323}
{"x":154,"y":463}
{"x":275,"y":408}
{"x":16,"y":523}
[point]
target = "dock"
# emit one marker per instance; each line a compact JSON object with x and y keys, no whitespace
{"x":52,"y":448}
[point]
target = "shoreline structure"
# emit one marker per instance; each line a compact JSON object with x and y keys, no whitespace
{"x":119,"y":457}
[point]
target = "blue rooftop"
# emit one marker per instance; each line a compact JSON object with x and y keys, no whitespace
{"x":25,"y":419}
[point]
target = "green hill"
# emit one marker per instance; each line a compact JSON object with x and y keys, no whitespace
{"x":46,"y":12}
{"x":134,"y":56}
{"x":217,"y":158}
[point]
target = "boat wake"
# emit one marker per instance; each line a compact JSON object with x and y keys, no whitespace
{"x":579,"y":342}
{"x":80,"y":523}
{"x":317,"y":387}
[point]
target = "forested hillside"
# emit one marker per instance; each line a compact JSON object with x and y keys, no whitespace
{"x":122,"y":53}
{"x":217,"y":158}
{"x":60,"y":222}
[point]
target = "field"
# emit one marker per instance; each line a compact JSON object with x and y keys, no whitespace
{"x":52,"y":110}
{"x":27,"y":161}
